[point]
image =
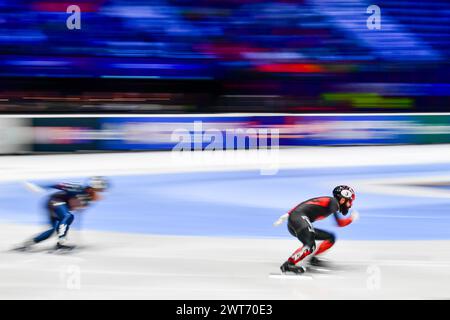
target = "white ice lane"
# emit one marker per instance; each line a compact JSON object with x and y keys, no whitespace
{"x":17,"y":168}
{"x":132,"y":266}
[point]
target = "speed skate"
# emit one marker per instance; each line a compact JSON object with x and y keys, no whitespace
{"x":305,"y":271}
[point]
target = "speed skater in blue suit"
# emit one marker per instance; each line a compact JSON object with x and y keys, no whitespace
{"x":61,"y":205}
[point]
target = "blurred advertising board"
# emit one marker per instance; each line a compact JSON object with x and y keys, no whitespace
{"x":65,"y":134}
{"x":16,"y":135}
{"x":198,"y":132}
{"x":348,"y":130}
{"x":365,"y":129}
{"x":165,"y":133}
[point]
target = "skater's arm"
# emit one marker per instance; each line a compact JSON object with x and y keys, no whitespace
{"x":342,"y":222}
{"x":68,"y":187}
{"x":64,"y":186}
{"x":33,"y":187}
{"x":281,"y":219}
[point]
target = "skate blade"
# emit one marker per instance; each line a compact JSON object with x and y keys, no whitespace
{"x":290,"y":275}
{"x":61,"y":251}
{"x":320,"y":269}
{"x":20,"y":250}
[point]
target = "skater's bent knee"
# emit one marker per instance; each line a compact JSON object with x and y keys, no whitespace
{"x":332,"y":238}
{"x":311,"y":245}
{"x":70,"y":218}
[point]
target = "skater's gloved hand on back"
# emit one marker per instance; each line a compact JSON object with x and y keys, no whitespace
{"x":280,"y":220}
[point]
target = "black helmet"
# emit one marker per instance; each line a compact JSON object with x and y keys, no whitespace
{"x":344,"y":192}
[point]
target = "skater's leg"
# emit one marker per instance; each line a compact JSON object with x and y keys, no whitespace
{"x":40,"y":237}
{"x":65,"y":220}
{"x":301,"y":228}
{"x":44,"y":235}
{"x":306,"y":237}
{"x":328,"y":240}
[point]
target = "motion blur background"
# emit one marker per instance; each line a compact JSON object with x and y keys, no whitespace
{"x":250,"y":56}
{"x":170,"y":56}
{"x":138,"y":70}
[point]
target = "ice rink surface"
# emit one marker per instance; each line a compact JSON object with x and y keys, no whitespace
{"x":201,"y":227}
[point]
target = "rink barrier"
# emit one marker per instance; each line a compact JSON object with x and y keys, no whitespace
{"x":68,"y":133}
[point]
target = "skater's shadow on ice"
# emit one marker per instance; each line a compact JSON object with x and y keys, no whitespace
{"x":51,"y":249}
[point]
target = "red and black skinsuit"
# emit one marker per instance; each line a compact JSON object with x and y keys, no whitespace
{"x":300,"y":225}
